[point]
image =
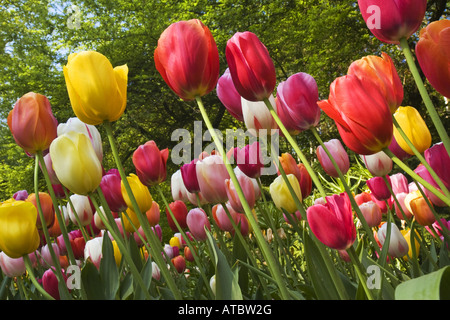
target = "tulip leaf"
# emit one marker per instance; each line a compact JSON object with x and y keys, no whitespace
{"x":126,"y":287}
{"x":109,"y":272}
{"x":432,"y":286}
{"x":135,"y":253}
{"x":444,"y":255}
{"x":227,"y":285}
{"x":92,"y":282}
{"x":146,"y":274}
{"x":239,"y":253}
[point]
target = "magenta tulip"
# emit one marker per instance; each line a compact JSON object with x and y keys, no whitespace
{"x":398,"y":151}
{"x":111,"y":188}
{"x":249,"y":159}
{"x":379,"y":189}
{"x":332,"y":223}
{"x":228,"y":95}
{"x":50,"y":282}
{"x":189,"y":175}
{"x":338,"y":153}
{"x":296,"y":102}
{"x":439,"y":160}
{"x":251,"y":67}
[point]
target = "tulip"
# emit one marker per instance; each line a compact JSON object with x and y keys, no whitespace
{"x":73,"y":157}
{"x":257,"y":117}
{"x":423,"y":172}
{"x":20,"y":195}
{"x":332,"y":223}
{"x":399,"y":183}
{"x":211,"y":175}
{"x":46,"y":205}
{"x":391,"y":20}
{"x":379,"y":189}
{"x":338,"y":153}
{"x":221,"y":216}
{"x":12,"y":267}
{"x":75,"y":124}
{"x":62,"y":244}
{"x":398,"y":151}
{"x":50,"y":282}
{"x":228,"y":95}
{"x":97,"y":91}
{"x":362,"y":197}
{"x":32,"y":123}
{"x":51,"y":173}
{"x":243,"y":223}
{"x":93,"y":251}
{"x":372,"y":213}
{"x":290,"y":166}
{"x":251,"y":67}
{"x":179,"y":263}
{"x":414,"y":127}
{"x":398,"y":246}
{"x":247,"y":188}
{"x":281,"y":195}
{"x":177,"y":187}
{"x":188,"y":255}
{"x":111,"y":189}
{"x":433,"y":54}
{"x":437,"y":227}
{"x":378,"y":164}
{"x":180,"y":212}
{"x":361,"y":113}
{"x":140,"y":191}
{"x":407,"y":235}
{"x":130,"y":221}
{"x":419,"y":207}
{"x":46,"y":257}
{"x":296,"y":102}
{"x":18,"y":232}
{"x":153,"y":214}
{"x":189,"y":175}
{"x":197,"y":221}
{"x":439,"y":160}
{"x":403,"y":211}
{"x":150,"y":163}
{"x":382,"y":72}
{"x":305,"y":180}
{"x":156,"y":272}
{"x":83,"y":210}
{"x":188,"y":59}
{"x":249,"y":159}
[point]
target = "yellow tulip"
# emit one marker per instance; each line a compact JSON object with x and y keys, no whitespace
{"x":75,"y":163}
{"x":174,"y":242}
{"x":140,"y":191}
{"x":117,"y":253}
{"x":415,"y":129}
{"x":97,"y":91}
{"x":18,"y":232}
{"x":407,"y":235}
{"x":131,"y":221}
{"x":281,"y":195}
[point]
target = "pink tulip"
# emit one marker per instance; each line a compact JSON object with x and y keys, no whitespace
{"x":332,"y":223}
{"x":338,"y":153}
{"x":197,"y":221}
{"x":378,"y":164}
{"x":247,"y":188}
{"x":228,"y":95}
{"x":399,"y":183}
{"x":439,"y":160}
{"x":249,"y":159}
{"x":221,"y":216}
{"x":251,"y":67}
{"x":211,"y":175}
{"x":12,"y":267}
{"x":372,"y":213}
{"x":402,"y":212}
{"x":297,"y":102}
{"x":379,"y":189}
{"x":398,"y":151}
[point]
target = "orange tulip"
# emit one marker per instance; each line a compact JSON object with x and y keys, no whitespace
{"x":433,"y":54}
{"x":32,"y":123}
{"x":47,"y":208}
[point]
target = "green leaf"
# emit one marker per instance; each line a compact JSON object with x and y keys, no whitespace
{"x":109,"y":272}
{"x":146,"y":275}
{"x":432,"y":286}
{"x":126,"y":287}
{"x":92,"y":282}
{"x":227,"y":286}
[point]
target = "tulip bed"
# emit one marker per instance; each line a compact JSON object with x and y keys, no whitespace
{"x":95,"y":233}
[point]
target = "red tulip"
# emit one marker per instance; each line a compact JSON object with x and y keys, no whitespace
{"x":382,"y":71}
{"x":332,"y":223}
{"x":187,"y":58}
{"x":361,"y":113}
{"x":228,"y":95}
{"x":179,"y":263}
{"x":391,"y":20}
{"x":111,"y":189}
{"x":150,"y":163}
{"x":32,"y":123}
{"x":180,"y":212}
{"x":50,"y":282}
{"x":305,"y":181}
{"x":189,"y":176}
{"x":251,"y":67}
{"x":433,"y":54}
{"x":296,"y":102}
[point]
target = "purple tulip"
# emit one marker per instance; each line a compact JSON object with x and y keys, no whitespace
{"x":228,"y":95}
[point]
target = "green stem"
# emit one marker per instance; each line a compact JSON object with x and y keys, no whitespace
{"x":359,"y":271}
{"x":29,"y":268}
{"x":425,"y":96}
{"x":296,"y":148}
{"x":416,"y":177}
{"x":267,"y":253}
{"x":151,"y":237}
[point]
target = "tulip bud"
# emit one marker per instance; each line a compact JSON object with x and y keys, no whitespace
{"x":83,"y":210}
{"x":20,"y":195}
{"x":50,"y":282}
{"x":378,"y":187}
{"x":156,"y":273}
{"x":153,"y":214}
{"x":221,"y":217}
{"x":391,"y":20}
{"x":130,"y":221}
{"x":439,"y":160}
{"x":180,"y":212}
{"x":188,"y":254}
{"x":398,"y":246}
{"x":46,"y":205}
{"x":432,"y":51}
{"x":398,"y":151}
{"x":97,"y":91}
{"x":257,"y":117}
{"x":197,"y":221}
{"x":399,"y":183}
{"x":32,"y":123}
{"x":179,"y":263}
{"x":296,"y":102}
{"x":150,"y":163}
{"x":211,"y":175}
{"x":18,"y":232}
{"x":247,"y":188}
{"x":228,"y":95}
{"x":372,"y":213}
{"x":93,"y":251}
{"x":339,"y":155}
{"x":12,"y":267}
{"x":419,"y":207}
{"x":189,"y":175}
{"x":407,"y":235}
{"x":249,"y":159}
{"x":111,"y":189}
{"x":281,"y":195}
{"x":73,"y":157}
{"x":414,"y":127}
{"x":378,"y":164}
{"x":402,"y":212}
{"x":140,"y":191}
{"x":251,"y":67}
